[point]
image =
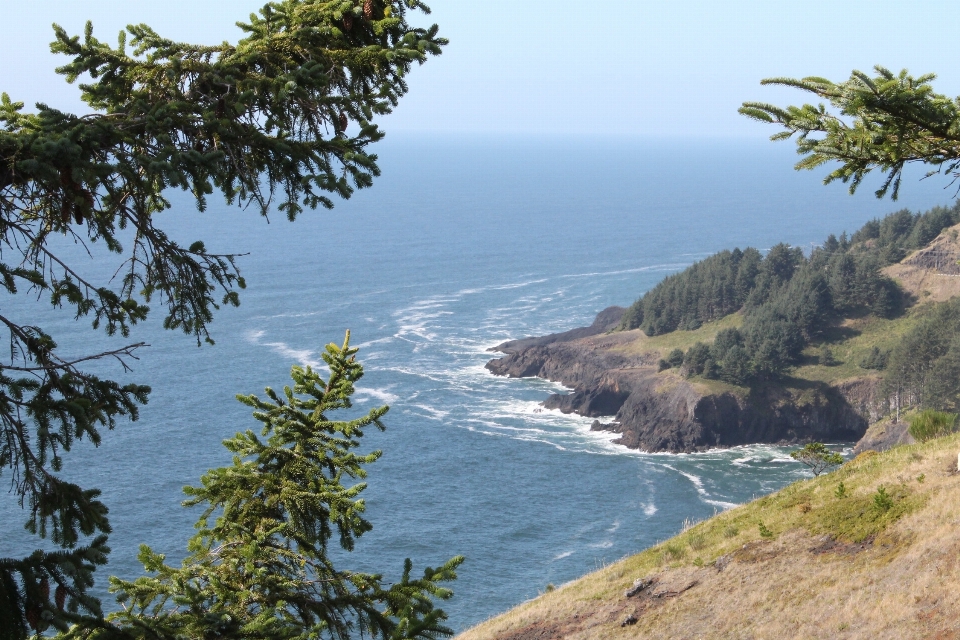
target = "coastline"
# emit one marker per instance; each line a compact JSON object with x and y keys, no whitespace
{"x":610,"y":374}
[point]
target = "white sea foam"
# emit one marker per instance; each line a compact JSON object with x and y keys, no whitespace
{"x":434,"y":414}
{"x":603,"y":544}
{"x":561,"y":556}
{"x":304,"y":357}
{"x":380,"y":395}
{"x":370,"y":343}
{"x":299,"y":314}
{"x":254,"y":335}
{"x":649,"y":509}
{"x":721,"y":504}
{"x":669,"y":266}
{"x":411,"y":372}
{"x":516,"y":285}
{"x":696,"y":480}
{"x":705,"y":496}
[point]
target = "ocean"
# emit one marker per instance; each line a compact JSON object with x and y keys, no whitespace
{"x":463,"y":243}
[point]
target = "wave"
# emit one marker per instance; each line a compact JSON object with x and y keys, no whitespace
{"x":370,"y":343}
{"x":668,"y":266}
{"x":434,"y":414}
{"x":705,"y":496}
{"x":381,"y":395}
{"x":605,"y":544}
{"x":304,"y":357}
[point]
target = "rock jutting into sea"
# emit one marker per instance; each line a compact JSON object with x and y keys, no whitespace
{"x":613,"y":377}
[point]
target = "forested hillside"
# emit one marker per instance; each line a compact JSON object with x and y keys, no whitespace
{"x":788,"y":300}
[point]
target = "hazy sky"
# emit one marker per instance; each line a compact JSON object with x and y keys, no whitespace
{"x":563,"y":66}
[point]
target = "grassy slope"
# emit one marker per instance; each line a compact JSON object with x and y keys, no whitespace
{"x":850,"y":343}
{"x":835,"y":567}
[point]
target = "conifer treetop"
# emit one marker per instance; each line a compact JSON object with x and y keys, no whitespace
{"x":262,"y":567}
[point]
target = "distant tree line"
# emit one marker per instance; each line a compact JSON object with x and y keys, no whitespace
{"x":788,"y":299}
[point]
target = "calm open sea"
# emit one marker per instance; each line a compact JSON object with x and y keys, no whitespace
{"x":462,"y":244}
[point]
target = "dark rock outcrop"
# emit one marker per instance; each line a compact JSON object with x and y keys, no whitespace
{"x":884,"y":435}
{"x":661,"y":411}
{"x":606,"y":320}
{"x":940,"y":258}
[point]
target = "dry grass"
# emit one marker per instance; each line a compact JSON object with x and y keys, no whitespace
{"x":931,"y":285}
{"x":836,"y":566}
{"x":925,"y":284}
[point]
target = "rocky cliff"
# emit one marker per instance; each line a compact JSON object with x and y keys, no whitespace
{"x":655,"y":410}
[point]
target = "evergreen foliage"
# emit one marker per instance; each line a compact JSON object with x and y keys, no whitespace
{"x":881,"y":122}
{"x":876,"y":359}
{"x":260,"y":564}
{"x":816,"y":457}
{"x":923,"y":368}
{"x":708,"y":290}
{"x":269,"y":117}
{"x":675,"y":358}
{"x":787,"y":299}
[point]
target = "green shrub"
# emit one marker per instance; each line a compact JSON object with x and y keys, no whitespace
{"x":696,"y":358}
{"x":825,"y":358}
{"x":697,"y":541}
{"x":875,"y":359}
{"x":882,"y":500}
{"x":675,"y":358}
{"x":672,"y":552}
{"x":931,"y":424}
{"x":841,"y":491}
{"x":764,"y":531}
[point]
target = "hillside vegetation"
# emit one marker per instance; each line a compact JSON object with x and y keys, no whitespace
{"x":788,"y":301}
{"x":871,"y":550}
{"x":879,"y":305}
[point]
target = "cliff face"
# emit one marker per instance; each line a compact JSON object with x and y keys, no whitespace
{"x":661,"y":411}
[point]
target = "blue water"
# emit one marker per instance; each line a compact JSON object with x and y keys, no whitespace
{"x":462,"y":244}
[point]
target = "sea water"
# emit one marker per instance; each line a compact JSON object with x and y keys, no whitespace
{"x":463,"y":243}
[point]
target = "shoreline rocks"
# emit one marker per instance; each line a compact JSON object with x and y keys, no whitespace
{"x":661,"y":411}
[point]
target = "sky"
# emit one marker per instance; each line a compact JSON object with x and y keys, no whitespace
{"x":562,"y":67}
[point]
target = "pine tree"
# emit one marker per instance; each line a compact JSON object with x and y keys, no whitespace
{"x":259,"y":564}
{"x":282,"y":118}
{"x":816,"y":457}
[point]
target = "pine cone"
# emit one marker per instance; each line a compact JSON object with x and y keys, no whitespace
{"x":368,"y":9}
{"x":60,"y":596}
{"x":347,"y":22}
{"x":45,"y":587}
{"x":33,"y":617}
{"x":344,"y":121}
